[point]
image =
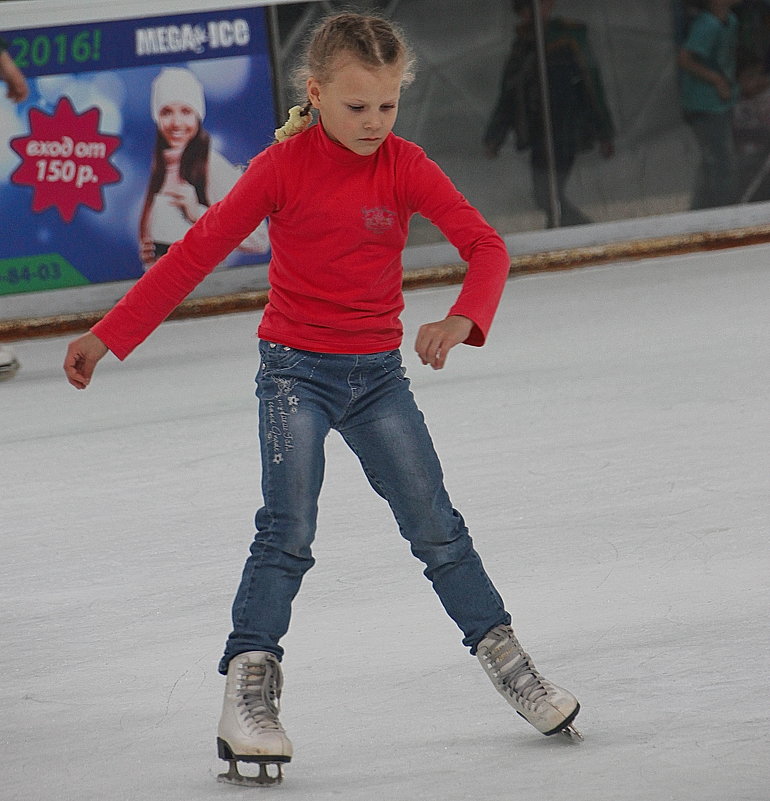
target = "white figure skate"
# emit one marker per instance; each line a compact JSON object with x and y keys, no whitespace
{"x":249,"y":729}
{"x":550,"y":709}
{"x":9,"y":364}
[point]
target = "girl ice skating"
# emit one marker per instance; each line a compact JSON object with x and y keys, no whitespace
{"x":339,"y":195}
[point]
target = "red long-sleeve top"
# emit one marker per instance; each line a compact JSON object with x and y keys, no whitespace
{"x":338,"y":225}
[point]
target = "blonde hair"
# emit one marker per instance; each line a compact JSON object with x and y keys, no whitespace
{"x":372,"y":40}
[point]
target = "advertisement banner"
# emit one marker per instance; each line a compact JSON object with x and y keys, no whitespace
{"x":132,"y":128}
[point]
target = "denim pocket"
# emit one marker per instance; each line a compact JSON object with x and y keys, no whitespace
{"x":279,"y":357}
{"x":393,"y":365}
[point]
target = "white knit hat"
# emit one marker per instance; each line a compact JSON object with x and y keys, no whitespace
{"x":176,"y":85}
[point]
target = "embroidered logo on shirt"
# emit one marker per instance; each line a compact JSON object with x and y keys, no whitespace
{"x":378,"y":219}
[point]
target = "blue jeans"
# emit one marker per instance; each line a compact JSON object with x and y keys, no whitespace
{"x":302,"y":396}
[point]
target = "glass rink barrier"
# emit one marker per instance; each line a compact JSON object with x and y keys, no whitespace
{"x":568,"y":123}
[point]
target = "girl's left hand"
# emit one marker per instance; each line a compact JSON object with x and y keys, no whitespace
{"x":435,"y":340}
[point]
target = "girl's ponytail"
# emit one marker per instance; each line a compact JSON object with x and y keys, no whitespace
{"x":299,"y":119}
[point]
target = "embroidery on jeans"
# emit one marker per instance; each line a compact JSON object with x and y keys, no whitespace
{"x":279,"y":436}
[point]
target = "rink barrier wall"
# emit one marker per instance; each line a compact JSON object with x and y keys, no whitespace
{"x":525,"y":264}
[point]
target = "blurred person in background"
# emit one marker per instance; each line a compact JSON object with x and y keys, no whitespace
{"x":709,"y":91}
{"x":751,"y":116}
{"x":751,"y":129}
{"x":579,"y":114}
{"x":14,"y":78}
{"x":17,"y":90}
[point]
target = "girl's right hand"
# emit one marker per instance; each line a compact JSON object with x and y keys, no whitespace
{"x":435,"y":340}
{"x":82,"y":355}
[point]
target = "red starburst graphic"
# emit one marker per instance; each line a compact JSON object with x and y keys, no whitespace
{"x":65,"y":159}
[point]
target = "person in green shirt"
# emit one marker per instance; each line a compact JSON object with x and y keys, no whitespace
{"x":709,"y":91}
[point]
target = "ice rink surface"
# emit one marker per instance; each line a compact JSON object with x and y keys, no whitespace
{"x":609,"y":450}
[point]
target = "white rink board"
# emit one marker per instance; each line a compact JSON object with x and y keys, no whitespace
{"x":609,"y":450}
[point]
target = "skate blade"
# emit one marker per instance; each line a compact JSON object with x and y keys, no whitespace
{"x":265,"y":777}
{"x":565,"y":727}
{"x":571,"y":733}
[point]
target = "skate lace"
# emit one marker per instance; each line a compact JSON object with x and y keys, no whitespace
{"x":518,"y":676}
{"x":259,"y":691}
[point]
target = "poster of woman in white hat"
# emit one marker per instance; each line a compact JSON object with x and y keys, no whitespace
{"x":132,"y":129}
{"x":188,"y":174}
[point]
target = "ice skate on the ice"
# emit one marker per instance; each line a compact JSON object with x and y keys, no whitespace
{"x":9,"y":364}
{"x":249,"y":729}
{"x":550,"y":709}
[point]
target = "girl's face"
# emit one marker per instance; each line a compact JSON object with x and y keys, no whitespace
{"x":178,"y":123}
{"x":359,"y":105}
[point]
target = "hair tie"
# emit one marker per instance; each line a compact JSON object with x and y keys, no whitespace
{"x":299,"y":119}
